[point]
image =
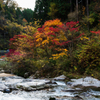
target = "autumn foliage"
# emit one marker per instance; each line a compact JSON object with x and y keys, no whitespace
{"x":48,"y":43}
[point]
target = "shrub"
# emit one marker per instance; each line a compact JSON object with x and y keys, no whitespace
{"x":43,"y":48}
{"x":89,"y":56}
{"x":5,"y":65}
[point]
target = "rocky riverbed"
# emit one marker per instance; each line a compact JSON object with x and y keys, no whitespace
{"x":13,"y":87}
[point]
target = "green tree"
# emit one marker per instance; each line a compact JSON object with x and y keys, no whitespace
{"x":52,"y":7}
{"x":53,"y":10}
{"x":28,"y":14}
{"x":10,"y":9}
{"x":41,"y":10}
{"x":19,"y":15}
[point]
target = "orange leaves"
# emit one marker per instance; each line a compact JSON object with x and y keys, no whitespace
{"x":50,"y":37}
{"x":24,"y":20}
{"x":52,"y":23}
{"x":52,"y":30}
{"x":2,"y":56}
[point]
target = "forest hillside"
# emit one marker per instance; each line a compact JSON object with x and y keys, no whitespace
{"x":58,"y":37}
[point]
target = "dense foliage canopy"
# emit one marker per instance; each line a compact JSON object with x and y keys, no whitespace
{"x":61,"y":36}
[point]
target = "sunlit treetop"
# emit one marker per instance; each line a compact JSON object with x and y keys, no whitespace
{"x":53,"y":23}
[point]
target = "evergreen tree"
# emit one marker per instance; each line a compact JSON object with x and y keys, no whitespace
{"x":28,"y":14}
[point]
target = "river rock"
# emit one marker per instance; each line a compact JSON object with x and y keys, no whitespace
{"x":86,"y":82}
{"x":69,"y":83}
{"x":15,"y":82}
{"x":1,"y":59}
{"x":72,"y":90}
{"x":33,"y":84}
{"x":11,"y":83}
{"x":60,"y":78}
{"x":77,"y":98}
{"x":3,"y":86}
{"x":7,"y":90}
{"x":52,"y":98}
{"x":5,"y":75}
{"x":2,"y":71}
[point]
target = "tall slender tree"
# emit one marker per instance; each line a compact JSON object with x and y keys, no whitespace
{"x":71,"y":6}
{"x":77,"y":9}
{"x":87,"y":8}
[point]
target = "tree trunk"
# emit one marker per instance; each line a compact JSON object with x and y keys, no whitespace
{"x":87,"y":8}
{"x":70,"y":5}
{"x":77,"y":9}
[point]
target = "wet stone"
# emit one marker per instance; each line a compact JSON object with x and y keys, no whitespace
{"x":52,"y":99}
{"x":77,"y":98}
{"x":60,"y":78}
{"x":69,"y":83}
{"x":72,"y":90}
{"x":7,"y":90}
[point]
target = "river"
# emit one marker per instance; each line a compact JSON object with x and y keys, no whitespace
{"x":19,"y":88}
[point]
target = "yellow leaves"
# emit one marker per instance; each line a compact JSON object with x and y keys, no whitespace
{"x":46,"y":29}
{"x":86,"y":38}
{"x":62,"y":32}
{"x":36,"y":23}
{"x":30,"y":30}
{"x":62,"y":38}
{"x":83,"y":9}
{"x":53,"y":23}
{"x":40,"y":51}
{"x":57,"y":56}
{"x":38,"y":35}
{"x":39,"y":39}
{"x":43,"y":65}
{"x":38,"y":45}
{"x":48,"y":38}
{"x":81,"y":38}
{"x":75,"y":68}
{"x":65,"y":50}
{"x":59,"y":49}
{"x":18,"y":61}
{"x":62,"y":50}
{"x":92,"y":75}
{"x":45,"y":42}
{"x":56,"y":39}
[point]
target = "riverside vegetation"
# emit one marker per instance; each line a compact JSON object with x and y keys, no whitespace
{"x":53,"y":48}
